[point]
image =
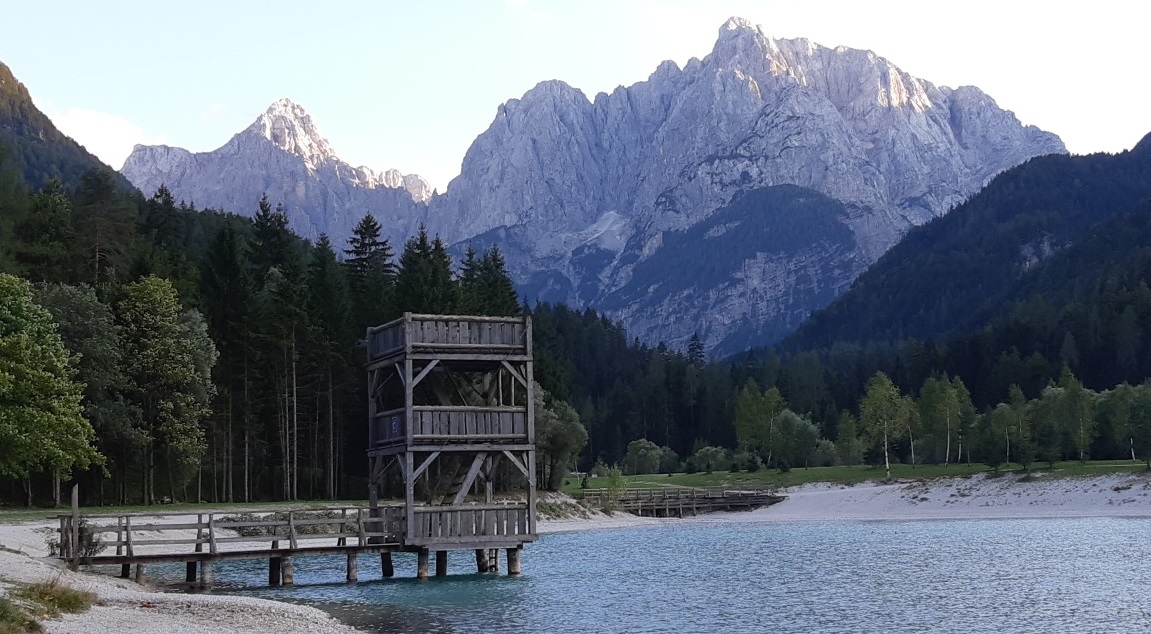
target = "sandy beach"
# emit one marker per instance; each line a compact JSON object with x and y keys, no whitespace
{"x":975,"y":497}
{"x":123,"y":605}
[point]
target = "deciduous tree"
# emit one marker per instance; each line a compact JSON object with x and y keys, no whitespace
{"x":42,"y":427}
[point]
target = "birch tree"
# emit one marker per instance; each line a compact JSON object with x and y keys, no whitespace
{"x":884,"y":415}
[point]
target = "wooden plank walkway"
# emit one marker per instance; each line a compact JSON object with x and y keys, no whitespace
{"x":680,"y":501}
{"x":201,"y":538}
{"x":157,"y":537}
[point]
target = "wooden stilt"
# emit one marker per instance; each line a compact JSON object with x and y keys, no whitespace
{"x":493,"y":560}
{"x":287,"y":574}
{"x":514,"y":560}
{"x":274,"y":571}
{"x":441,"y":563}
{"x":141,"y":576}
{"x":125,"y":571}
{"x":386,"y":568}
{"x":190,"y":572}
{"x":353,"y":573}
{"x":481,"y":560}
{"x":206,"y":574}
{"x":422,"y":564}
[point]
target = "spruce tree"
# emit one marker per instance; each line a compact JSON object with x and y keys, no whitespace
{"x":371,"y":274}
{"x":424,"y":283}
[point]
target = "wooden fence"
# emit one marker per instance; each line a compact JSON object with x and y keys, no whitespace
{"x":223,"y":535}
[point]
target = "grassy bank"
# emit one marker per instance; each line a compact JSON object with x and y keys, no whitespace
{"x":770,"y":478}
{"x":761,"y":479}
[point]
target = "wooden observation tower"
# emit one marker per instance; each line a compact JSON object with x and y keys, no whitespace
{"x":450,"y":405}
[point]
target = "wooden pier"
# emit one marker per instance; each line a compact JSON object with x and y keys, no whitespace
{"x":680,"y":502}
{"x":199,"y":539}
{"x":450,"y":399}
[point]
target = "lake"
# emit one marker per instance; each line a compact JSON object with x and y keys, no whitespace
{"x":1051,"y":575}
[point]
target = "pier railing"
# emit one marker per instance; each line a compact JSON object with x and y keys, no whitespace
{"x":169,"y":537}
{"x":472,"y":524}
{"x":414,"y":333}
{"x":456,"y":424}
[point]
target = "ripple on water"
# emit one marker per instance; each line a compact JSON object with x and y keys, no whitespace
{"x":978,"y":576}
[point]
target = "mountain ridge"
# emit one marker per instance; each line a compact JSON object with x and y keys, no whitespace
{"x":583,"y":190}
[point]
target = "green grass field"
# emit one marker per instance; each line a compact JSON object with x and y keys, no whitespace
{"x":770,"y":478}
{"x":762,"y":479}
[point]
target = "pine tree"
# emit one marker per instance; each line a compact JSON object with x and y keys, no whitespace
{"x":273,"y":244}
{"x":228,"y":294}
{"x":105,"y":226}
{"x":332,"y":331}
{"x":499,"y":297}
{"x":424,"y":283}
{"x":371,"y":274}
{"x":695,"y":352}
{"x":45,"y":237}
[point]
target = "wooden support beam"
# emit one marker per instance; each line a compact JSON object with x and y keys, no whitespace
{"x":469,"y":479}
{"x":519,"y":465}
{"x":287,"y":572}
{"x":387,"y":570}
{"x":190,"y":572}
{"x":441,"y":563}
{"x":514,"y":566}
{"x":141,"y":575}
{"x":515,"y":373}
{"x":423,"y":466}
{"x":353,"y":573}
{"x":481,"y":560}
{"x":422,"y":564}
{"x":274,"y":567}
{"x":206,"y":575}
{"x":424,"y":372}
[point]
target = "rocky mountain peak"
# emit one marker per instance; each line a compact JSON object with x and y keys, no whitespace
{"x":603,"y":202}
{"x":740,"y":42}
{"x":289,"y":127}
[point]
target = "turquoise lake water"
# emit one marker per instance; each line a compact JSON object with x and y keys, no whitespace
{"x":1073,"y":575}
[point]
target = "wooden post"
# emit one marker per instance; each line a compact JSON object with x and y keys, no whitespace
{"x":274,"y":571}
{"x":287,"y":574}
{"x":441,"y":563}
{"x":125,"y":569}
{"x":493,"y":560}
{"x":190,"y":572}
{"x":141,"y":577}
{"x":386,"y":568}
{"x":75,"y":532}
{"x":206,"y":574}
{"x":422,"y":564}
{"x":275,"y":566}
{"x":353,"y":572}
{"x":481,"y":560}
{"x":514,"y":567}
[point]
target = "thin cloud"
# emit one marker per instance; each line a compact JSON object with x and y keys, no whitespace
{"x":108,"y":136}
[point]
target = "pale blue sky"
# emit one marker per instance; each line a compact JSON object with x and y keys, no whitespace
{"x":409,"y":85}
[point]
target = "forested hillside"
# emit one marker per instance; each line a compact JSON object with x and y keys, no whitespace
{"x":197,"y":354}
{"x":34,"y":146}
{"x":952,"y":274}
